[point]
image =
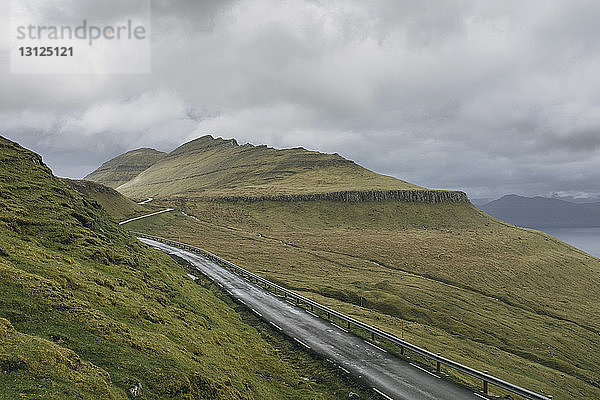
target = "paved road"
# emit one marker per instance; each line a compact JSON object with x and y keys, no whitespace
{"x":390,"y":376}
{"x":145,"y":216}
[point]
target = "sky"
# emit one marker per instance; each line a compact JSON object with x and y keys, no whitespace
{"x":488,"y":97}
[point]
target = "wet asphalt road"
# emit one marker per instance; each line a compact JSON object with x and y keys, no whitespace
{"x":388,"y":375}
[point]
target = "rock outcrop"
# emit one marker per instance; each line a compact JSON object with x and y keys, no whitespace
{"x":409,"y":196}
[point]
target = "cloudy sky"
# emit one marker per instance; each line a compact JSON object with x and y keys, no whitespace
{"x":490,"y":97}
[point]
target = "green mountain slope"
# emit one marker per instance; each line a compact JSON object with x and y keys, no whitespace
{"x":513,"y":301}
{"x":125,"y":167}
{"x":89,"y":312}
{"x":208,"y":167}
{"x":118,"y":206}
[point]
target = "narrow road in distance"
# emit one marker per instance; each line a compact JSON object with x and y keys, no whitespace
{"x":145,"y":216}
{"x":391,"y":377}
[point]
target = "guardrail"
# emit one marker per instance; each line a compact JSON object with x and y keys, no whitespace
{"x":375,"y":332}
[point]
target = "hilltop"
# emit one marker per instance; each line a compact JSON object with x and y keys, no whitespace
{"x":125,"y":167}
{"x":209,"y":168}
{"x":89,"y":312}
{"x":544,"y":212}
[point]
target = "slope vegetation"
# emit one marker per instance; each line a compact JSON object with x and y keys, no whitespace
{"x":125,"y":167}
{"x":118,"y":206}
{"x":89,"y":312}
{"x":513,"y":301}
{"x":208,"y":167}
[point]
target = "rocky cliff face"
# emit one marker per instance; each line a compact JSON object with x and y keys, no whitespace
{"x":409,"y":196}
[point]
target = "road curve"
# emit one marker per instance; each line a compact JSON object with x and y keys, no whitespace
{"x":388,"y":375}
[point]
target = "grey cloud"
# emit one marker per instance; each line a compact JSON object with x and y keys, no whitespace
{"x":488,"y":97}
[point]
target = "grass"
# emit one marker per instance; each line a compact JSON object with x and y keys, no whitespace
{"x":208,"y":167}
{"x":118,"y":206}
{"x":89,"y":312}
{"x":513,"y":301}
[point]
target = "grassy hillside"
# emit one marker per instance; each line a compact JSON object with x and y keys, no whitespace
{"x":89,"y":312}
{"x":513,"y":301}
{"x":118,"y":206}
{"x":208,"y":167}
{"x":125,"y":167}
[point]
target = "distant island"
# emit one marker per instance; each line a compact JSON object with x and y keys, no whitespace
{"x":543,"y":212}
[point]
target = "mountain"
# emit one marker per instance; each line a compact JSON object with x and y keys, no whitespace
{"x":209,"y":167}
{"x":513,"y":301}
{"x":125,"y":167}
{"x":88,"y":312}
{"x":543,"y":212}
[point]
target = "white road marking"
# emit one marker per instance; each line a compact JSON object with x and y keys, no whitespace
{"x":242,"y":301}
{"x":382,"y":394}
{"x":276,"y":326}
{"x":302,"y":343}
{"x":256,"y":312}
{"x":478,"y":395}
{"x":144,"y":216}
{"x":344,"y":369}
{"x":374,"y":345}
{"x":424,"y":370}
{"x":339,"y":327}
{"x":148,"y":200}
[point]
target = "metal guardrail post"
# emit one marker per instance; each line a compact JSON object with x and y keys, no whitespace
{"x":485,"y":385}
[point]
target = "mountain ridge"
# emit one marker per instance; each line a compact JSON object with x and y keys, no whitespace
{"x":216,"y":168}
{"x":544,"y":212}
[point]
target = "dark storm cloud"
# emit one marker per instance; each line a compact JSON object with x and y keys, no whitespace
{"x":488,"y":97}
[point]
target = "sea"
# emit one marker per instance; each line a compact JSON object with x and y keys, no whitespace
{"x":586,"y":239}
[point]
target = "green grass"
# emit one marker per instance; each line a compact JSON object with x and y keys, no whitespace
{"x":513,"y":301}
{"x":88,"y":312}
{"x":208,"y":167}
{"x":118,"y":206}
